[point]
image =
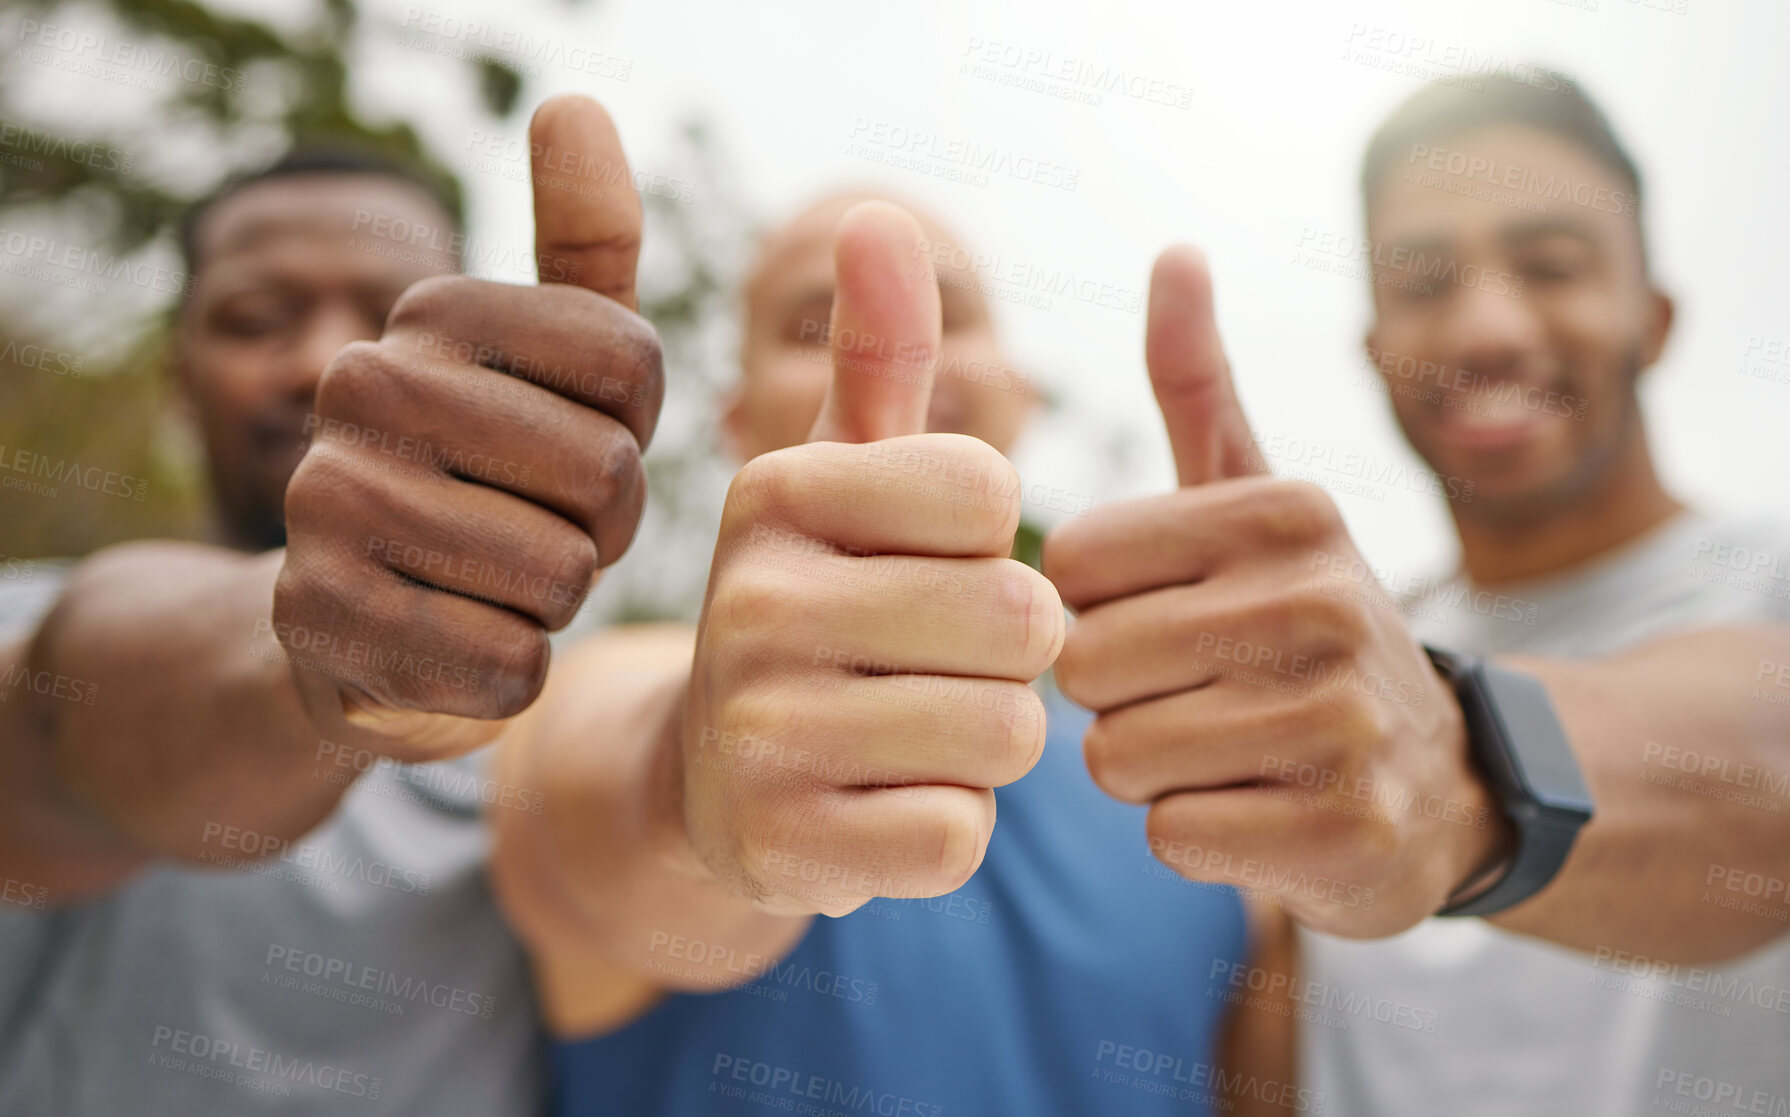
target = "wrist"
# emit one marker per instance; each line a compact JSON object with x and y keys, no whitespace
{"x":1485,"y":838}
{"x":663,"y":827}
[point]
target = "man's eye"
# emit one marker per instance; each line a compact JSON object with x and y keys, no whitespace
{"x":250,"y":322}
{"x":1549,"y":270}
{"x":1410,"y":287}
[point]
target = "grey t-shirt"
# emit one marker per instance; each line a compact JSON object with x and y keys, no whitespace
{"x":1473,"y":1021}
{"x":363,"y":969}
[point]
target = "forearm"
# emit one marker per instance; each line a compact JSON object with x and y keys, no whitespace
{"x":1258,"y":1040}
{"x":603,"y":884}
{"x":168,"y":723}
{"x":1651,"y":873}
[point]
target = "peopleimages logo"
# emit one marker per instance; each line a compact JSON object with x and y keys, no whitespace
{"x":342,"y":980}
{"x":64,"y":150}
{"x":58,"y":261}
{"x":213,"y":1057}
{"x":250,"y":846}
{"x":130,"y":59}
{"x":1203,"y":1081}
{"x":1508,"y":176}
{"x":788,"y":1088}
{"x":30,"y":470}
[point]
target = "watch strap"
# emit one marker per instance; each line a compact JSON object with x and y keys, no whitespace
{"x":1544,"y":837}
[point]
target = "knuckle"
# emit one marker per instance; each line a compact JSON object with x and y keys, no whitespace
{"x":1352,"y":726}
{"x":640,"y":356}
{"x":316,"y":496}
{"x":958,"y":853}
{"x":521,"y":669}
{"x":1105,"y":755}
{"x":1329,"y":623}
{"x":762,"y":488}
{"x":1171,"y":843}
{"x":1031,"y":604}
{"x":1060,"y":558}
{"x":426,"y":301}
{"x":353,"y":379}
{"x":1025,"y":729}
{"x":1073,"y":666}
{"x":297,"y":591}
{"x":753,"y":608}
{"x":1297,"y":512}
{"x":997,"y":507}
{"x":614,"y":472}
{"x":576,"y":566}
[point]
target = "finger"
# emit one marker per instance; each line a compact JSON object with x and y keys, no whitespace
{"x":1186,"y":536}
{"x":1151,"y":644}
{"x":483,"y":544}
{"x":568,"y":341}
{"x":1224,"y":735}
{"x":1192,"y":379}
{"x":901,"y":731}
{"x":923,"y":494}
{"x":909,"y":730}
{"x":463,"y":423}
{"x":881,"y":842}
{"x":587,"y":215}
{"x":407,"y":647}
{"x":886,"y":328}
{"x":1291,"y":851}
{"x":885,"y":618}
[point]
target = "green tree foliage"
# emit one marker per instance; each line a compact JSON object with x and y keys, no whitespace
{"x":110,"y":409}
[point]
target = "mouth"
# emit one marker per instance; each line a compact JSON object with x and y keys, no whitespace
{"x":1496,"y":413}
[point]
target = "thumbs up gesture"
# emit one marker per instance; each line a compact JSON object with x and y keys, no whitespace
{"x":1288,"y":734}
{"x":471,"y":470}
{"x":859,"y":682}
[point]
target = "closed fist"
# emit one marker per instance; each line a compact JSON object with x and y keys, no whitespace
{"x":471,"y":470}
{"x":1288,"y":734}
{"x":861,"y":669}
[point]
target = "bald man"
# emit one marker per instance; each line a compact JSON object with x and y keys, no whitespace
{"x":785,"y":364}
{"x":830,"y":741}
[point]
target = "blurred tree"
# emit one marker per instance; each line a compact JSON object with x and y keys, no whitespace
{"x":103,"y":403}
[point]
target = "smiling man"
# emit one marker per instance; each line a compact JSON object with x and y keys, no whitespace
{"x":1623,"y":947}
{"x":1674,"y":988}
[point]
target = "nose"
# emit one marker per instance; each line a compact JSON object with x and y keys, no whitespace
{"x":1491,"y":329}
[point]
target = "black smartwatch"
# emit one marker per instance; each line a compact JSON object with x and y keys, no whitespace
{"x":1521,"y":749}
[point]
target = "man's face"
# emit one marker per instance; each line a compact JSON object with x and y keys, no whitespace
{"x":1513,"y":315}
{"x":785,"y":361}
{"x":286,"y":276}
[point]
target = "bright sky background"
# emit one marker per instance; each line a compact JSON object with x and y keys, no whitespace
{"x":1278,"y":106}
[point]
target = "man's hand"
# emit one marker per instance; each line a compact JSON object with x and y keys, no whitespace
{"x":1289,"y":735}
{"x":860,"y":673}
{"x":472,"y":469}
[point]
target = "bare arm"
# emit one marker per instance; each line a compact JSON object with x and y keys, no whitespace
{"x":603,"y":884}
{"x":1667,"y":848}
{"x":834,"y":729}
{"x":160,"y":710}
{"x":1258,"y":1045}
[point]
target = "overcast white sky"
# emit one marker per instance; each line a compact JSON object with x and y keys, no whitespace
{"x":1277,"y":105}
{"x":1276,"y":111}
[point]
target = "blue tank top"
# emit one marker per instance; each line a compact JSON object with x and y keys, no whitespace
{"x":1072,"y":975}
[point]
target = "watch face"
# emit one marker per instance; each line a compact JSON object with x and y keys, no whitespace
{"x":1539,"y":752}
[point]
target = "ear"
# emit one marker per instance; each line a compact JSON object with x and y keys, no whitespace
{"x":1660,"y":314}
